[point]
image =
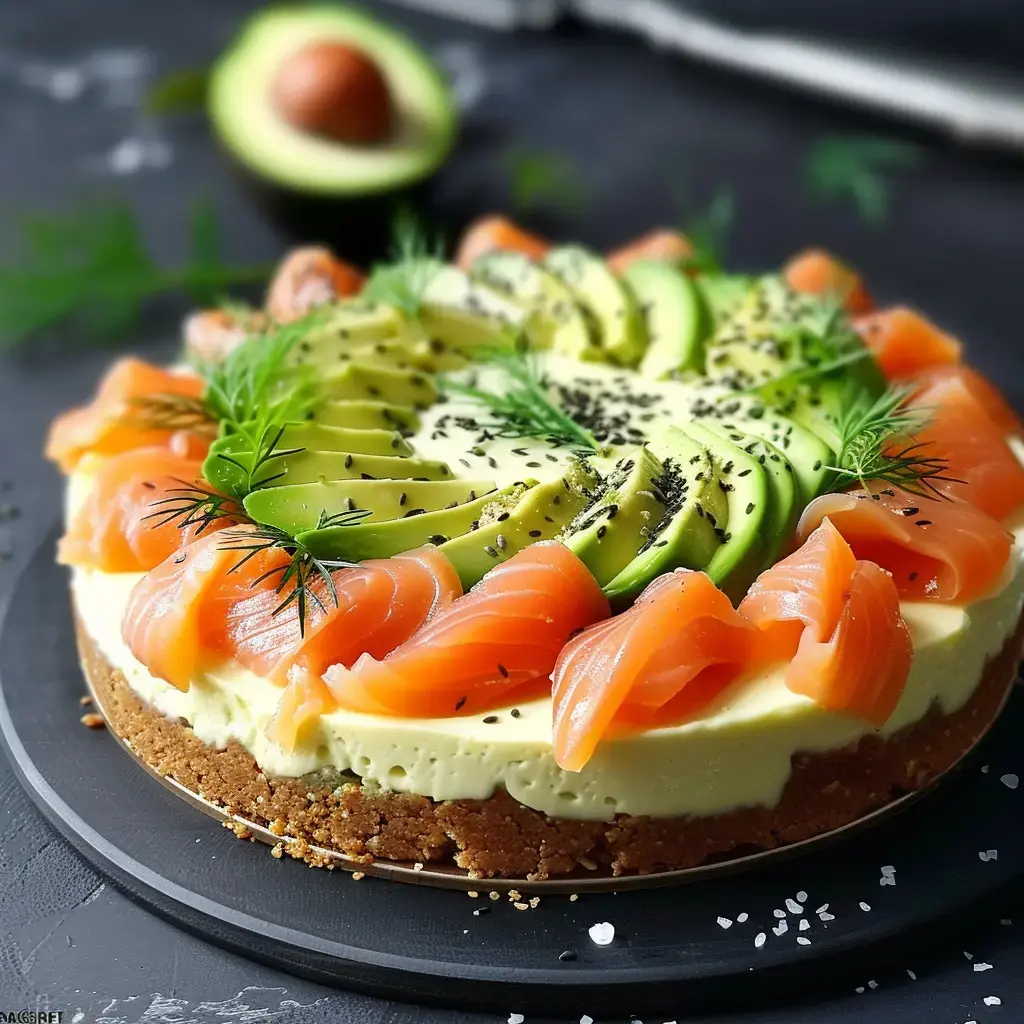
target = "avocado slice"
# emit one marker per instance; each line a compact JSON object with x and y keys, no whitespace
{"x":348,"y":324}
{"x":628,"y":506}
{"x":559,"y":323}
{"x":784,"y":503}
{"x":366,"y":414}
{"x":619,"y":333}
{"x":393,"y":536}
{"x":406,"y":353}
{"x":305,"y":466}
{"x":743,"y":481}
{"x":673,"y":316}
{"x":691,"y":531}
{"x":539,"y":514}
{"x":721,"y":294}
{"x":254,"y":133}
{"x":343,"y":439}
{"x":298,"y":507}
{"x":396,"y":387}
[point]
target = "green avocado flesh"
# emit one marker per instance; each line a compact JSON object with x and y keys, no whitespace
{"x":253,"y":132}
{"x":708,"y":447}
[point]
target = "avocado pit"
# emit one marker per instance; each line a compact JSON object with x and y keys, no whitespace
{"x":334,"y":90}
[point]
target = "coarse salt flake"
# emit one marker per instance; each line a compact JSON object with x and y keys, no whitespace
{"x":724,"y":922}
{"x":864,"y":906}
{"x":992,"y":1001}
{"x":981,"y":966}
{"x":801,"y":897}
{"x":780,"y":914}
{"x":586,"y":1019}
{"x":793,"y":907}
{"x":911,"y":975}
{"x":872,"y":984}
{"x":781,"y":928}
{"x":742,"y":918}
{"x":760,"y":939}
{"x":516,"y":1018}
{"x":803,"y":940}
{"x":986,"y":855}
{"x":1010,"y":781}
{"x":602,"y":933}
{"x":805,"y":925}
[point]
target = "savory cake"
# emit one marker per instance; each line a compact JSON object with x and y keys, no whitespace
{"x":541,"y":561}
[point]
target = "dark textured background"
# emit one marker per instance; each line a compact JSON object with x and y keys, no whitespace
{"x":637,"y":124}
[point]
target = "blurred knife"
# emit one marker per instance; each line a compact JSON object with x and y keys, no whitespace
{"x":967,"y":103}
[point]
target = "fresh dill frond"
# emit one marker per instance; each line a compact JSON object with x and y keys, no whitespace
{"x":815,"y":349}
{"x":194,"y":504}
{"x":303,"y":575}
{"x":169,"y":412}
{"x":524,"y":408}
{"x":877,"y":444}
{"x":854,"y":169}
{"x":707,"y":229}
{"x":539,"y":179}
{"x":416,"y":259}
{"x":91,"y":269}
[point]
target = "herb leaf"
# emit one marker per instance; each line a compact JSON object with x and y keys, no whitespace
{"x":523,"y":409}
{"x":416,"y":259}
{"x":854,"y":168}
{"x":179,"y":92}
{"x":871,"y":447}
{"x":708,"y":230}
{"x":539,"y":179}
{"x":90,"y":268}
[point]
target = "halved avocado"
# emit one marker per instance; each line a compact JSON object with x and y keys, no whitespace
{"x":340,"y":187}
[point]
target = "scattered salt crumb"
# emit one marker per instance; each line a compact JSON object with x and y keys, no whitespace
{"x":1002,"y":920}
{"x":793,"y":907}
{"x":992,"y":1001}
{"x":986,"y":855}
{"x":984,"y":769}
{"x":859,"y":990}
{"x":92,"y":720}
{"x":801,"y":897}
{"x":417,"y":866}
{"x":864,"y":906}
{"x":872,"y":984}
{"x":519,"y":905}
{"x":357,"y":875}
{"x":970,"y":1022}
{"x":805,"y":925}
{"x":760,"y":939}
{"x":822,"y":908}
{"x":516,"y":1018}
{"x":465,"y":931}
{"x":781,"y":928}
{"x":574,"y":897}
{"x":497,"y":895}
{"x":602,"y":933}
{"x":888,"y":875}
{"x":742,"y":918}
{"x":534,"y":902}
{"x":979,"y":966}
{"x":1010,"y":781}
{"x":724,"y":922}
{"x":826,"y":916}
{"x":479,"y":911}
{"x":780,"y":914}
{"x":803,"y":940}
{"x":473,"y":895}
{"x":586,"y":1019}
{"x":911,"y":975}
{"x":970,"y":956}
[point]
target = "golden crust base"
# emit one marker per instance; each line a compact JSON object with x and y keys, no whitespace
{"x":499,"y":837}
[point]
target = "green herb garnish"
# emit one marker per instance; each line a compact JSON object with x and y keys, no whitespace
{"x":194,"y":504}
{"x":855,"y":169}
{"x":90,"y":269}
{"x":523,"y":409}
{"x":876,"y":443}
{"x":304,"y":573}
{"x":707,"y":230}
{"x":539,"y":179}
{"x":416,"y":259}
{"x":179,"y":92}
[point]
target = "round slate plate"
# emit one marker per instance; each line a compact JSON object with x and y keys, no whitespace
{"x":424,"y":944}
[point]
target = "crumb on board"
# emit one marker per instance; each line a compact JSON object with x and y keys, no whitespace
{"x":92,"y":720}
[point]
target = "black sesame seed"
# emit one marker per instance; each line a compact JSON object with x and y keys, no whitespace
{"x":515,"y":713}
{"x":601,"y":531}
{"x":348,"y":461}
{"x":536,"y":533}
{"x":504,"y":673}
{"x":490,"y":719}
{"x":750,"y":508}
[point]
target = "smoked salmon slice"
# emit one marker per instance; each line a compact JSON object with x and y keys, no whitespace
{"x":105,"y":425}
{"x":940,"y":550}
{"x":680,"y":644}
{"x":308,"y":277}
{"x":660,"y":244}
{"x":124,"y":523}
{"x":818,"y":272}
{"x":987,"y":394}
{"x":170,"y":624}
{"x":850,"y":650}
{"x":498,"y":234}
{"x":376,"y":606}
{"x":504,"y":635}
{"x":904,"y":343}
{"x":982,"y":467}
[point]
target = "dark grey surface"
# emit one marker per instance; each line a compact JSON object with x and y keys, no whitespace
{"x":637,"y":124}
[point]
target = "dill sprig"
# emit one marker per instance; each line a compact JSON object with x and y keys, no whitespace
{"x":416,"y":259}
{"x":303,"y":574}
{"x":815,"y":350}
{"x":169,"y":412}
{"x":539,"y":179}
{"x":90,"y":269}
{"x":524,"y":409}
{"x":707,"y":230}
{"x":854,"y":169}
{"x":876,"y":444}
{"x":194,"y":504}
